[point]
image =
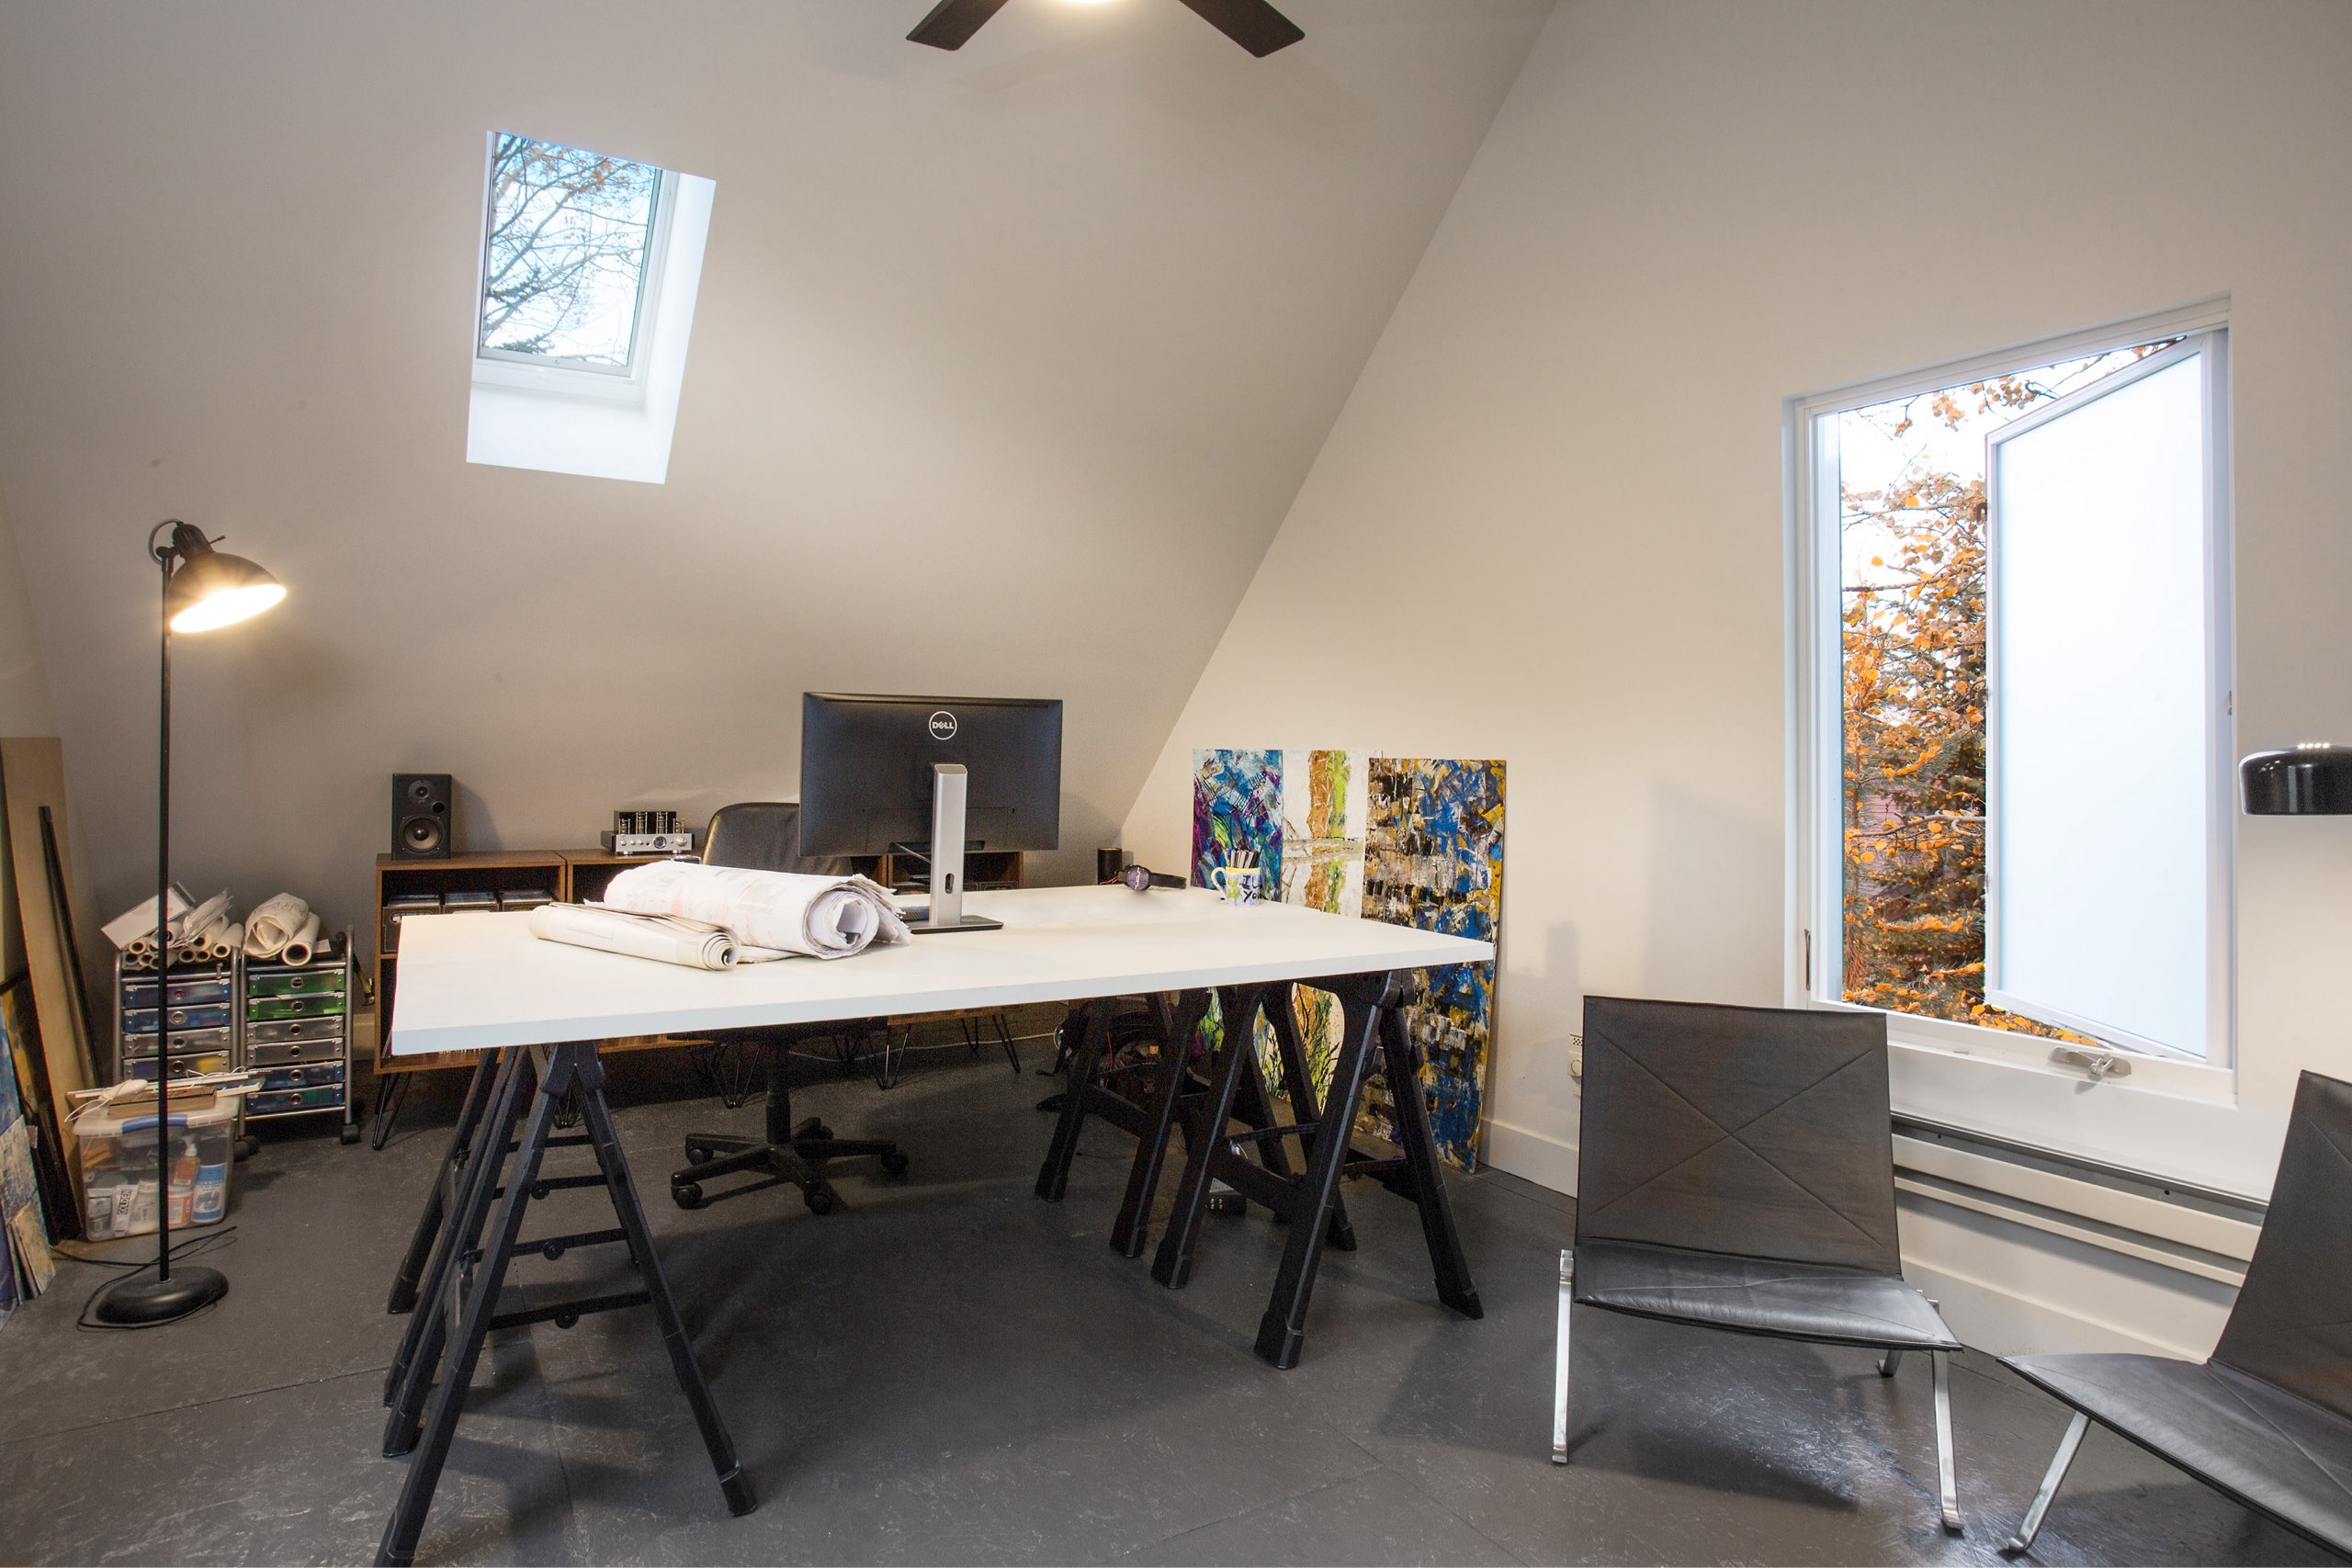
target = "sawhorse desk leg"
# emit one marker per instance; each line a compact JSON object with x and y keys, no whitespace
{"x":428,"y":1224}
{"x":471,"y":1304}
{"x":1173,"y":1109}
{"x":1370,"y":1004}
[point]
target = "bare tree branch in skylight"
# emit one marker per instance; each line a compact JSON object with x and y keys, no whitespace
{"x":570,"y":232}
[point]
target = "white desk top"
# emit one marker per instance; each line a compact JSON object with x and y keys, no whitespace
{"x":476,"y":982}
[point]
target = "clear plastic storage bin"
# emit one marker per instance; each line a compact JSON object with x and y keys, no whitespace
{"x":121,"y":1184}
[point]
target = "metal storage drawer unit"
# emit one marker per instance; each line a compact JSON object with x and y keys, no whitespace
{"x":141,"y":994}
{"x":199,"y":1023}
{"x":296,"y":1033}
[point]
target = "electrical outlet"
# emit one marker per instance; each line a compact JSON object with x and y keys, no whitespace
{"x":1575,"y":1057}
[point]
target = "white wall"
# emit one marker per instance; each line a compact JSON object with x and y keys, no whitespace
{"x":1005,"y":366}
{"x":1552,"y":505}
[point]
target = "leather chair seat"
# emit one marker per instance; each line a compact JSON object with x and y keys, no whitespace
{"x":2275,"y":1453}
{"x":1753,"y":1295}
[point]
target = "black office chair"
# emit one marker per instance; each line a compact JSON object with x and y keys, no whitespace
{"x":2269,"y":1419}
{"x":1735,"y":1170}
{"x":762,"y":836}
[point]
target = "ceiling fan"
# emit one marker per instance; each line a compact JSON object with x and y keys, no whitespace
{"x":1253,"y":24}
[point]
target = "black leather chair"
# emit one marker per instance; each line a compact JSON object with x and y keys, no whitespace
{"x":763,"y":836}
{"x":1735,"y":1170}
{"x":2269,"y":1419}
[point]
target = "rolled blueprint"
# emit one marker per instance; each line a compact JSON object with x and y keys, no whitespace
{"x":824,"y":917}
{"x":665,"y":937}
{"x":304,"y":944}
{"x":270,"y":928}
{"x":187,"y":929}
{"x":137,"y":924}
{"x":227,"y":937}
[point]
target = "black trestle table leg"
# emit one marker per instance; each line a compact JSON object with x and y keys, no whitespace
{"x":1283,"y":1329}
{"x":1236,"y":1049}
{"x":589,"y":1073}
{"x":1298,"y":1086}
{"x":1178,"y":1026}
{"x":398,"y":1548}
{"x":1053,"y":1177}
{"x":409,"y":1382}
{"x":428,"y":1224}
{"x":1427,"y":1170}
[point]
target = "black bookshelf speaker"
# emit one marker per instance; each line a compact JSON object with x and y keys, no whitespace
{"x":421,"y":815}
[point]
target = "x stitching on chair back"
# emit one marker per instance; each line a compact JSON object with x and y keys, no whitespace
{"x":1754,"y":1132}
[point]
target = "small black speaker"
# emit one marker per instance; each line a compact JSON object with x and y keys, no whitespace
{"x":421,"y":815}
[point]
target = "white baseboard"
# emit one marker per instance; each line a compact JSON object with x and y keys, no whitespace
{"x":1532,"y":1157}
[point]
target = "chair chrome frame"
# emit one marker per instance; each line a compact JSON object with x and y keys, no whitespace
{"x":1946,"y":1479}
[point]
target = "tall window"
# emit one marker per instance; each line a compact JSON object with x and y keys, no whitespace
{"x":570,"y":257}
{"x":2024,"y":565}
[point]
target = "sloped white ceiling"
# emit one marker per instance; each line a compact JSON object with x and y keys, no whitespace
{"x":1006,"y":364}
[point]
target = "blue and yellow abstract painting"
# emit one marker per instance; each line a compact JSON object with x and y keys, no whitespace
{"x":1433,"y":860}
{"x":1237,"y":804}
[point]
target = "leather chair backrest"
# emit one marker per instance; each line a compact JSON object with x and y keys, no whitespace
{"x":764,"y":835}
{"x":2292,"y":1323}
{"x":1750,"y":1132}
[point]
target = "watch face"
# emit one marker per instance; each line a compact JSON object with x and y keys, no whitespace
{"x":1136,"y":877}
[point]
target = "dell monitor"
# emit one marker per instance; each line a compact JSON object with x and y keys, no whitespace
{"x":942,"y":774}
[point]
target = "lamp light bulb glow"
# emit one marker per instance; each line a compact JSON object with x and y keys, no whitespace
{"x":227,"y":607}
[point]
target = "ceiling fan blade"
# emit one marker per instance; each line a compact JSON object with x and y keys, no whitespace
{"x":953,"y":21}
{"x":1254,"y":24}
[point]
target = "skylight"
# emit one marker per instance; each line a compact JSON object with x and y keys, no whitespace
{"x":582,"y":308}
{"x":571,"y":256}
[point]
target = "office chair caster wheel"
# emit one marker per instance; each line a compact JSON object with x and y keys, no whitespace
{"x":687,"y":1194}
{"x":348,"y":1136}
{"x":895,"y":1164}
{"x":819,"y":1201}
{"x":699,"y":1153}
{"x":818,"y":1130}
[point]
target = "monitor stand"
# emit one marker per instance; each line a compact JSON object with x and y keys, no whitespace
{"x":945,"y":911}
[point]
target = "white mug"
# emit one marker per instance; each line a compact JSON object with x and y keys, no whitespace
{"x":1239,"y":884}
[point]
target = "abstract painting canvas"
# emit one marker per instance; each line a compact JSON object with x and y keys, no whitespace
{"x":1433,"y":860}
{"x":1323,"y":812}
{"x":1237,"y":805}
{"x":27,"y":1239}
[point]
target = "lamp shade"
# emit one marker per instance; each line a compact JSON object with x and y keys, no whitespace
{"x":215,"y":589}
{"x":2311,"y":780}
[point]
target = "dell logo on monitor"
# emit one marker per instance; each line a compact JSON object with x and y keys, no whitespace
{"x":942,"y":726}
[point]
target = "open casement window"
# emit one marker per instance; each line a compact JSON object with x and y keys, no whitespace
{"x":2012,"y":808}
{"x":2107,"y":797}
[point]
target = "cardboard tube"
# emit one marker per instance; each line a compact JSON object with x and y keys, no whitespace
{"x":306,"y":941}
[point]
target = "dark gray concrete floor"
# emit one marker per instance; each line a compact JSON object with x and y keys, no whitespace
{"x":947,"y":1370}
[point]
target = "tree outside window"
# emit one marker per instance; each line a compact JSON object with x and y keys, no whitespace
{"x":1912,"y":533}
{"x":570,"y":240}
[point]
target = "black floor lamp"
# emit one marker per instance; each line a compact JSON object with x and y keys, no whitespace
{"x":202,"y":590}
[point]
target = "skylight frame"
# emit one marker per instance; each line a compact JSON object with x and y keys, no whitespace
{"x":568,"y":375}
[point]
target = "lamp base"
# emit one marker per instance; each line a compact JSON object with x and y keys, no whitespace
{"x":146,"y":1304}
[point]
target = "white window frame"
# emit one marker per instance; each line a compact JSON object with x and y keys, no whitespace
{"x":1942,"y":1059}
{"x":555,"y":376}
{"x":2210,"y":347}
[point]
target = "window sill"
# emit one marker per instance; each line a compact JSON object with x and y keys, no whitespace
{"x":554,"y":382}
{"x":2171,"y":1121}
{"x":2030,"y":1053}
